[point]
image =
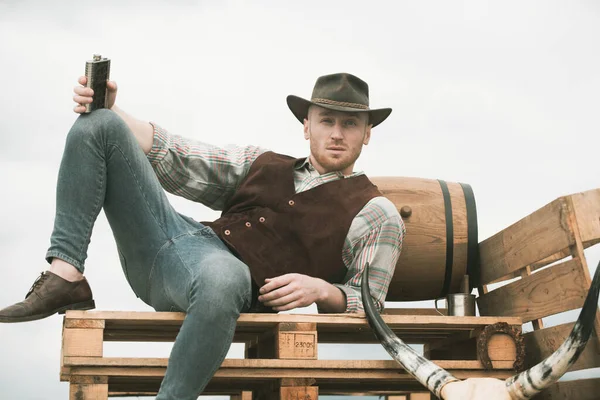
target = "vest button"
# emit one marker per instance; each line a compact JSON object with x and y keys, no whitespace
{"x":262,"y":219}
{"x":248,"y":224}
{"x":227,"y":232}
{"x":291,"y":202}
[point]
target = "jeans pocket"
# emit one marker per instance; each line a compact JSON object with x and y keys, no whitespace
{"x":206,"y":232}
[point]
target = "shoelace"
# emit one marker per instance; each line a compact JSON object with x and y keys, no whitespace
{"x":38,"y":283}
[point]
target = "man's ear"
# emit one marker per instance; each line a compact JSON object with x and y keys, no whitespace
{"x":306,"y":129}
{"x":367,"y":134}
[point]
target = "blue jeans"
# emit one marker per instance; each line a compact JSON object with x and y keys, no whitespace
{"x":170,"y":261}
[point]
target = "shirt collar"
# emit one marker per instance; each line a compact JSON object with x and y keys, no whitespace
{"x":303,"y":163}
{"x":306,"y":164}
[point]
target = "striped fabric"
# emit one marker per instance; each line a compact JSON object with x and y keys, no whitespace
{"x":210,"y":175}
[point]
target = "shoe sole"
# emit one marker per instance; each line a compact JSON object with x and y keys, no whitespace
{"x":85,"y":305}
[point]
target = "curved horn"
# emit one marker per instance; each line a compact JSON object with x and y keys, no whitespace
{"x":426,"y":372}
{"x":528,"y":383}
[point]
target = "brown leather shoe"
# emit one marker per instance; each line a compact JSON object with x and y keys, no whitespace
{"x":50,"y":294}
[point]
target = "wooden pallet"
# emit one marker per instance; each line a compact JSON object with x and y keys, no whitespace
{"x":281,"y":353}
{"x":540,"y":259}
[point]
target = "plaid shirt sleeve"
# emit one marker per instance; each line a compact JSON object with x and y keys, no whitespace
{"x":198,"y":171}
{"x":375,"y":237}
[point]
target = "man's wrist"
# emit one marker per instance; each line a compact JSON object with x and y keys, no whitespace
{"x":332,"y":299}
{"x":323,"y":292}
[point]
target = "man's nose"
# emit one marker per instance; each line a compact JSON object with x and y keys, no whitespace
{"x":336,"y":132}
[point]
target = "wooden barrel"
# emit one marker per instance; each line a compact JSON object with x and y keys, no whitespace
{"x":441,"y":244}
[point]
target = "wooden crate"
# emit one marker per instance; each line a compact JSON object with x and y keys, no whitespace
{"x":537,"y":268}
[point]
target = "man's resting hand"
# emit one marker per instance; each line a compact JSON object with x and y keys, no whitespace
{"x":290,"y":291}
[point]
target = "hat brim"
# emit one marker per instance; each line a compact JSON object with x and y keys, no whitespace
{"x":299,"y":108}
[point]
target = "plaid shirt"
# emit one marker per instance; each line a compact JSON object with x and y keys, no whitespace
{"x":210,"y":175}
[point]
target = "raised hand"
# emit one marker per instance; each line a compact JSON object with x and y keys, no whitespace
{"x":84,"y":95}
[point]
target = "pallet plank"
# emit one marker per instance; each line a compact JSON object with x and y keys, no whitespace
{"x":274,"y":364}
{"x":533,"y":238}
{"x":587,"y":211}
{"x":88,"y":388}
{"x":542,"y":343}
{"x":556,"y":289}
{"x":82,"y":342}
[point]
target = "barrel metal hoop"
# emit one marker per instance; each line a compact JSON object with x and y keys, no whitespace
{"x":449,"y":238}
{"x":473,"y":265}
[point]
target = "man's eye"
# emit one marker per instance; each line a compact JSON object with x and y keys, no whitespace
{"x":351,"y":123}
{"x":326,"y":120}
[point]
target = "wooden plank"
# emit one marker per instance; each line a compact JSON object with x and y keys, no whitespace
{"x":297,"y":382}
{"x":90,"y":380}
{"x":421,"y":396}
{"x":502,"y":370}
{"x":262,"y":364}
{"x":245,"y":395}
{"x":577,"y":252}
{"x":88,"y":392}
{"x":539,"y":235}
{"x":331,"y":328}
{"x":547,"y":292}
{"x":577,"y":248}
{"x":296,"y":341}
{"x":84,"y":323}
{"x":297,"y":345}
{"x":88,"y":388}
{"x":127,"y":315}
{"x":131,"y":386}
{"x":298,"y":393}
{"x":249,"y":320}
{"x":581,"y":389}
{"x":82,"y":342}
{"x":537,"y":323}
{"x":587,"y":210}
{"x":296,"y":327}
{"x":540,"y":344}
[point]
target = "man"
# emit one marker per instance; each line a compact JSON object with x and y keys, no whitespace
{"x":293,"y":232}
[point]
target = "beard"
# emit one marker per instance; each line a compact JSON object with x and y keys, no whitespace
{"x":333,"y":162}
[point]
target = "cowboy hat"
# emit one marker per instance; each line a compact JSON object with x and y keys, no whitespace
{"x":339,"y":92}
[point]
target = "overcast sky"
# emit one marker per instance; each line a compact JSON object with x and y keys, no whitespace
{"x":503,"y":96}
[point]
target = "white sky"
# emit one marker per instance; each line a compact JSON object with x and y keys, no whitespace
{"x":503,"y":96}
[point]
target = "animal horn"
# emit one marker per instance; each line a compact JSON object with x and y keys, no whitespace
{"x":426,"y":372}
{"x":528,"y":383}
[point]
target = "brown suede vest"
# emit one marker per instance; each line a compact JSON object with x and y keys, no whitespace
{"x":276,"y":231}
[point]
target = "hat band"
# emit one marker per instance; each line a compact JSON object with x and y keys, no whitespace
{"x":340,"y":103}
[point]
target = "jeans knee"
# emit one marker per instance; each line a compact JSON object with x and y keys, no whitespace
{"x":223,"y":286}
{"x":97,"y":125}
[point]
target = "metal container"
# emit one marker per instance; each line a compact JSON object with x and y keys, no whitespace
{"x":459,"y":304}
